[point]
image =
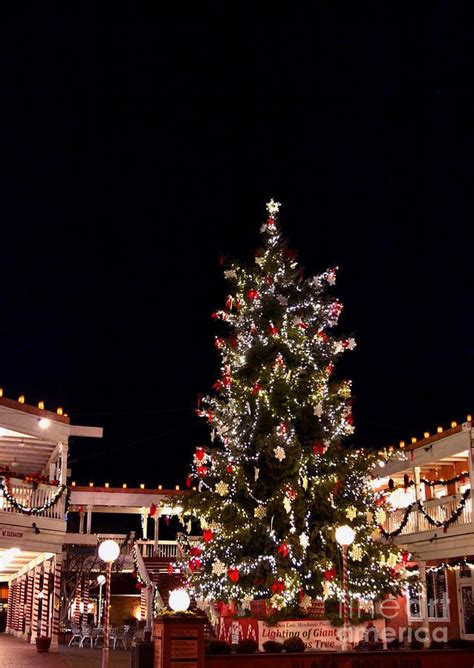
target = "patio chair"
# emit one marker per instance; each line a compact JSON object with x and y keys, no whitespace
{"x":86,"y":635}
{"x":117,"y":635}
{"x":76,"y":635}
{"x":97,"y":634}
{"x":129,"y":636}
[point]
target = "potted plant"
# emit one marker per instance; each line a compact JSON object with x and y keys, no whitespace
{"x":43,"y":643}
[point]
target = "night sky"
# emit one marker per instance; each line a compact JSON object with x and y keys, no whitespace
{"x":136,"y":148}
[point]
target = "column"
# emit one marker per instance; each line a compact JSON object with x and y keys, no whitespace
{"x":21,"y":607}
{"x":156,"y":534}
{"x":10,"y":607}
{"x":43,"y":620}
{"x":470,"y":464}
{"x":89,"y":519}
{"x":418,"y":496}
{"x":36,"y":591}
{"x":63,"y":449}
{"x":81,"y":519}
{"x":56,"y":602}
{"x":85,"y":598}
{"x":16,"y":608}
{"x":424,"y":602}
{"x":145,"y":513}
{"x":77,"y":608}
{"x":29,"y":603}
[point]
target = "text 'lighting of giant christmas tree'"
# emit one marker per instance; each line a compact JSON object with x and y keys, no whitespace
{"x":276,"y":481}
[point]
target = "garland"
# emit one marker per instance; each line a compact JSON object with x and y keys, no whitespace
{"x":392,"y":534}
{"x":419,"y":504}
{"x":456,"y":513}
{"x":26,"y":510}
{"x":431,"y":483}
{"x":443,"y":566}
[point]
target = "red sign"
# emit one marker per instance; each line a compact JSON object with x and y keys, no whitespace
{"x":6,"y":533}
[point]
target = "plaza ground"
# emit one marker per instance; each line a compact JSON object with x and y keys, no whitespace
{"x":16,"y":653}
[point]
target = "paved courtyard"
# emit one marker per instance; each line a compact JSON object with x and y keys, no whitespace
{"x":16,"y":653}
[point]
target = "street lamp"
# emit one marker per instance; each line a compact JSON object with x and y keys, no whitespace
{"x":108,"y":552}
{"x":101,"y":581}
{"x":345,"y":537}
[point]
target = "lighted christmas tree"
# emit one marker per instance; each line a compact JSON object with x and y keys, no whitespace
{"x":277,"y":480}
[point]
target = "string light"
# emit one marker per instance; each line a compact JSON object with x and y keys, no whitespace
{"x":270,"y":492}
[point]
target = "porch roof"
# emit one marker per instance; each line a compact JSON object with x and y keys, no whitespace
{"x":29,"y":435}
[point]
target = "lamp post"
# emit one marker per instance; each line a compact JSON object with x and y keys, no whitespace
{"x":108,"y":552}
{"x":345,"y":537}
{"x":100,"y":580}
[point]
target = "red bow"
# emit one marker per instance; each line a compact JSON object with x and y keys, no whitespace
{"x":233,"y":573}
{"x":318,"y":448}
{"x":207,"y":535}
{"x":330,"y":573}
{"x":200,"y":452}
{"x":278,"y":586}
{"x":253,"y":294}
{"x":283,"y":550}
{"x":152,"y":510}
{"x":201,"y":470}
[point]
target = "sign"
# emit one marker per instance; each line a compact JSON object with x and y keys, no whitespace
{"x":6,"y":533}
{"x":317,"y":634}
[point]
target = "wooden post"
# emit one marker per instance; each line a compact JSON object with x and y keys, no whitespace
{"x":89,"y":520}
{"x":156,"y":533}
{"x":417,"y":475}
{"x":36,"y":591}
{"x":43,"y":618}
{"x":29,"y":603}
{"x":77,"y":609}
{"x":424,"y":602}
{"x":56,"y":602}
{"x":21,"y":607}
{"x":10,"y":607}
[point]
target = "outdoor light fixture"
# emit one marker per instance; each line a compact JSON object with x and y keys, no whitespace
{"x":345,"y":536}
{"x":108,"y":552}
{"x":44,"y":423}
{"x":179,"y":600}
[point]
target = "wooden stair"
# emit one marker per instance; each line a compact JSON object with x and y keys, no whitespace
{"x":157,"y":568}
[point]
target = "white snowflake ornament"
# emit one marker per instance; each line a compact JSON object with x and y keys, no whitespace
{"x":356,"y":553}
{"x":304,"y":541}
{"x":280,"y":453}
{"x":222,"y":488}
{"x":287,"y":504}
{"x":273,"y":207}
{"x":318,"y":410}
{"x":218,"y":568}
{"x":260,"y":512}
{"x":306,"y":602}
{"x":351,"y":512}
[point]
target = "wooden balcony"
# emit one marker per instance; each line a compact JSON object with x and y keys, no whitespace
{"x":439,"y":510}
{"x":33,"y":497}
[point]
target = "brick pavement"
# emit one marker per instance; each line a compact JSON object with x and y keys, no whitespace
{"x":16,"y":653}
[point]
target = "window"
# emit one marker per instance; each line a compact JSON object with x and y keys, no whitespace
{"x":437,"y":595}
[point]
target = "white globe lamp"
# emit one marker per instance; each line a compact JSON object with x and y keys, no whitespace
{"x":101,"y":579}
{"x":345,"y":535}
{"x":109,"y":551}
{"x":179,"y":600}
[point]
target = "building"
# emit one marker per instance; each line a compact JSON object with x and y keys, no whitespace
{"x":428,"y":493}
{"x":39,"y":531}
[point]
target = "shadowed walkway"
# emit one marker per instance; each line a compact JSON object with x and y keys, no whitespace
{"x":16,"y":653}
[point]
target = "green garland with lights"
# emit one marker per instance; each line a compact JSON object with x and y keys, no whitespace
{"x":26,"y":510}
{"x":430,"y":483}
{"x":276,"y":481}
{"x":436,"y":523}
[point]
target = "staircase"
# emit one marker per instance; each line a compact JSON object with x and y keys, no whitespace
{"x":157,"y":568}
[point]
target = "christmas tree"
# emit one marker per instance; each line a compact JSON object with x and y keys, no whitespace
{"x":276,"y":481}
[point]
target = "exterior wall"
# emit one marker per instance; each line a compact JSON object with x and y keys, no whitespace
{"x":451,"y":625}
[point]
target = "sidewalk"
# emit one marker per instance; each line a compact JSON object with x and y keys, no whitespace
{"x":16,"y":653}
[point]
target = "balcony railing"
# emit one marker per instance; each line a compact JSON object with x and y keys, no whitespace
{"x":25,"y":494}
{"x":439,"y":510}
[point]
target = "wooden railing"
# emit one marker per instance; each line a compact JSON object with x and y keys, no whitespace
{"x":438,"y":509}
{"x":167,"y":549}
{"x":24,"y":493}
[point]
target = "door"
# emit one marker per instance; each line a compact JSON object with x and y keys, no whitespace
{"x":465,"y":578}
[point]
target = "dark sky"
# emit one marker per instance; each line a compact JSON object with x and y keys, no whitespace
{"x":136,"y":147}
